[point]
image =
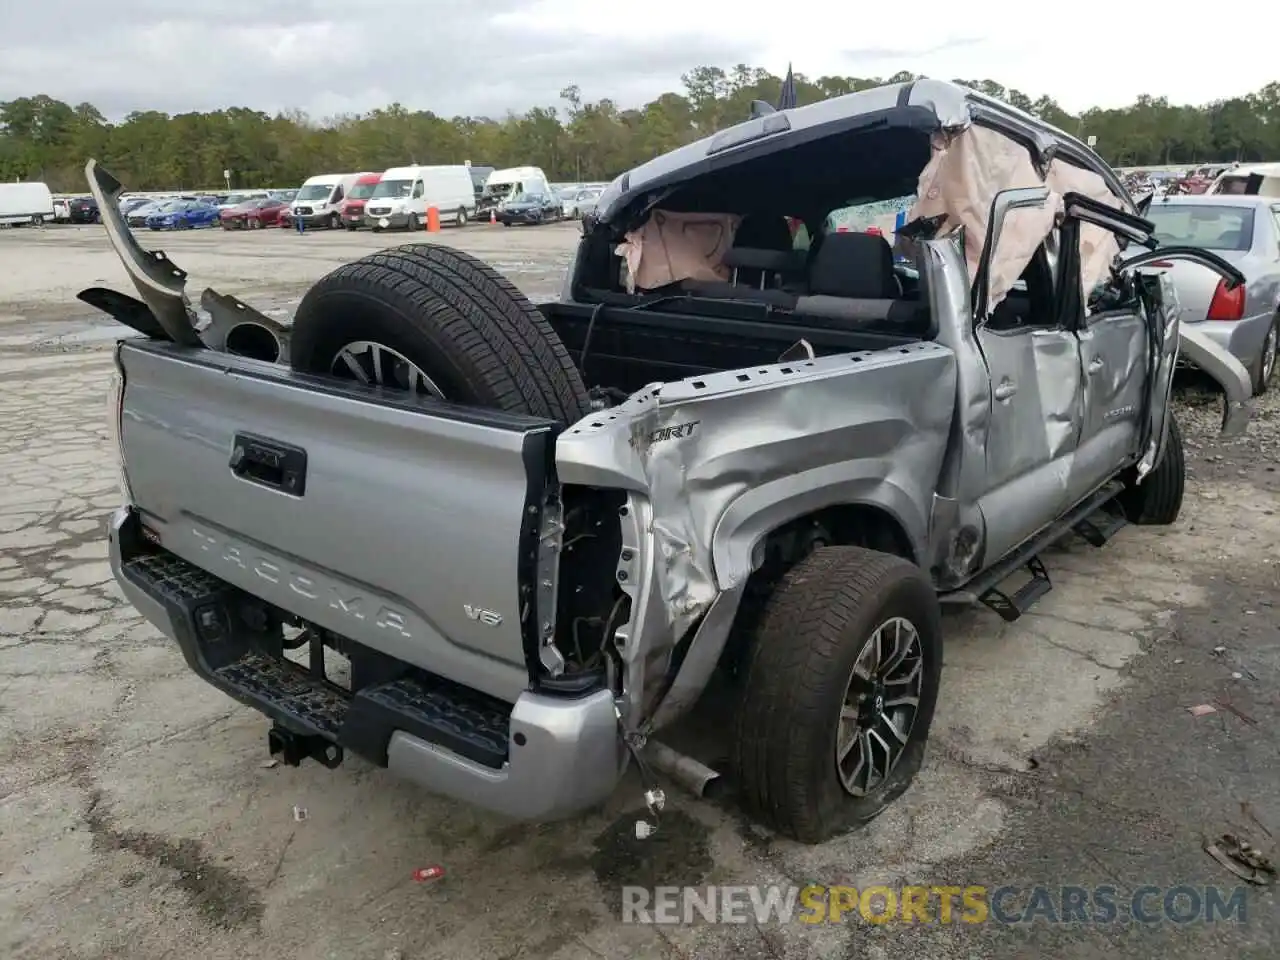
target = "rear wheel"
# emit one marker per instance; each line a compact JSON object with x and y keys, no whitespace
{"x":460,"y":218}
{"x":839,"y":692}
{"x":436,"y":321}
{"x":411,"y":222}
{"x":1157,"y":500}
{"x":334,"y":221}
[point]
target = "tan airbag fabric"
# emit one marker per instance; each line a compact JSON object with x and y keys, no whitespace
{"x":672,"y":246}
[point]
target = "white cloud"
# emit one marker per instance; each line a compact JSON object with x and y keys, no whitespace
{"x":489,"y":56}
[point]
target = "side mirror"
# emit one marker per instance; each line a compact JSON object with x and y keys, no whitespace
{"x":1005,"y":202}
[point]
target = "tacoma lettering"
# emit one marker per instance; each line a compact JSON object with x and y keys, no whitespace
{"x":352,"y":606}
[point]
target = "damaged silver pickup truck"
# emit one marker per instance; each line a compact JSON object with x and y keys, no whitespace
{"x":498,"y":547}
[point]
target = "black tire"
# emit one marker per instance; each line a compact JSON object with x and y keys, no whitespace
{"x":411,"y":222}
{"x":335,"y":221}
{"x":351,"y":228}
{"x":813,"y":629}
{"x":460,"y":218}
{"x":1157,"y":500}
{"x":463,"y":323}
{"x":1263,"y":372}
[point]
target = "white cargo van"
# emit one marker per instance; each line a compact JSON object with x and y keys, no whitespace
{"x":403,"y":195}
{"x":320,"y":197}
{"x":25,"y":203}
{"x":509,"y":184}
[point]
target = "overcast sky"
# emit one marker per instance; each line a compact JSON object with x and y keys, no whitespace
{"x":489,"y":56}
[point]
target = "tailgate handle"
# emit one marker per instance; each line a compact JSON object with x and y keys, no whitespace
{"x":269,"y":463}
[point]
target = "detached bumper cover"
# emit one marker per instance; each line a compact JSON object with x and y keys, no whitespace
{"x":543,"y":758}
{"x":1197,"y":346}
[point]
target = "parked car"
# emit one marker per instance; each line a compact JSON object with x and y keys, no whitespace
{"x":286,"y":195}
{"x":1258,"y":179}
{"x":239,"y":197}
{"x":530,"y":208}
{"x":1244,"y":230}
{"x":510,"y":184}
{"x":252,"y":214}
{"x":352,"y":208}
{"x":182,"y":215}
{"x":713,"y":451}
{"x":578,"y":202}
{"x":138,"y":214}
{"x":83,"y":210}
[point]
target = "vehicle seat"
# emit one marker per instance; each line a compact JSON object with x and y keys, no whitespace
{"x":762,"y":252}
{"x":852,"y":280}
{"x":854,"y":265}
{"x":761,"y":256}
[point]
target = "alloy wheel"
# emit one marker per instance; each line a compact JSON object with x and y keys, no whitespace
{"x":1269,"y":354}
{"x":375,"y":364}
{"x":880,"y":705}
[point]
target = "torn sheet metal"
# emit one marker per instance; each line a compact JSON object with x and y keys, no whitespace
{"x":715,"y":463}
{"x":673,"y":246}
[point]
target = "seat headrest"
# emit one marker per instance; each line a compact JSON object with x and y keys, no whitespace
{"x":856,"y":265}
{"x":763,"y":233}
{"x":773,"y":261}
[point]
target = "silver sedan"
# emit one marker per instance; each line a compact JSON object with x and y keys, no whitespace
{"x":1244,"y":230}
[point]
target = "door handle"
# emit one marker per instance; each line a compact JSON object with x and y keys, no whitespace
{"x":1006,"y":390}
{"x":1095,"y":365}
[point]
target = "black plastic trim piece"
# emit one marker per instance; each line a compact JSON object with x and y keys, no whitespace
{"x":122,"y":308}
{"x":539,"y":455}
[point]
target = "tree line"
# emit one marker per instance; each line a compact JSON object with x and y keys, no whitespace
{"x":42,"y":138}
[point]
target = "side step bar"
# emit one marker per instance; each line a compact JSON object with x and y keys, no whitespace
{"x":1091,"y":519}
{"x":1011,"y":606}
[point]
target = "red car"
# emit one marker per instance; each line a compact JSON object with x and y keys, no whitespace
{"x":352,"y":210}
{"x":253,"y":214}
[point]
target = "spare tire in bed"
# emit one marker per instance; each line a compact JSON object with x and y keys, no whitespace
{"x":438,"y":321}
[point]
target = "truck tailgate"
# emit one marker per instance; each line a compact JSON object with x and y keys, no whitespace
{"x":401,"y":523}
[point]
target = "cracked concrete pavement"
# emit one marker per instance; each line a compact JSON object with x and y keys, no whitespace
{"x":138,"y":819}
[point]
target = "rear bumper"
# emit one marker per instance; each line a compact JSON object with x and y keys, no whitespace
{"x":541,"y":759}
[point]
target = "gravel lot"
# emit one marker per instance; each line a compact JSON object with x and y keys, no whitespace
{"x":138,"y":820}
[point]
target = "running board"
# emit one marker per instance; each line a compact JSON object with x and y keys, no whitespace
{"x":1011,"y":606}
{"x":984,"y":587}
{"x":1101,"y":527}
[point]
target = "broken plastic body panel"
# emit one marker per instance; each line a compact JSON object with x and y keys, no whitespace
{"x":234,"y":326}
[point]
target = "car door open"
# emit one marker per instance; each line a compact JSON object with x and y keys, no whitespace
{"x":1166,"y":337}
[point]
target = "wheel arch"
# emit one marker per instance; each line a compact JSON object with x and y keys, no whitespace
{"x":869,"y":505}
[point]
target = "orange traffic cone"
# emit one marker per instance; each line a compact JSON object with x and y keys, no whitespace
{"x":493,"y":218}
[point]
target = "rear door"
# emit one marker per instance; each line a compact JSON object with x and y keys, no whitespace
{"x":1129,"y":340}
{"x":1034,"y":368}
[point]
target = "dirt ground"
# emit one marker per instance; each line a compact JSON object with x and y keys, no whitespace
{"x":139,"y":820}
